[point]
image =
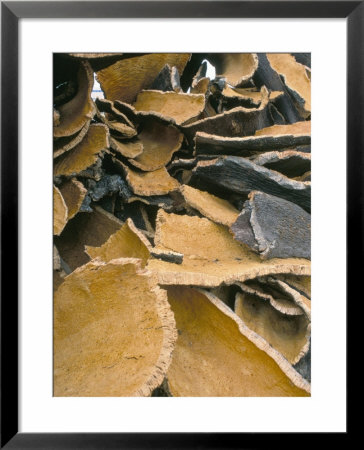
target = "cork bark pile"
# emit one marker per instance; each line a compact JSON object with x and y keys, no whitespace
{"x":182,"y":226}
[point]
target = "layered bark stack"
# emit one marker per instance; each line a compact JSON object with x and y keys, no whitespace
{"x":182,"y":225}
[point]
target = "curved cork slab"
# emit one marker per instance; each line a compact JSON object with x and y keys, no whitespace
{"x":217,"y":355}
{"x":92,"y":229}
{"x":211,"y":255}
{"x":238,"y":121}
{"x":126,"y":78}
{"x":210,"y":206}
{"x":157,"y":182}
{"x":159,"y":142}
{"x":178,"y":107}
{"x":63,"y":144}
{"x":80,"y":109}
{"x":73,"y":192}
{"x":130,"y":149}
{"x":60,"y":211}
{"x":295,"y":78}
{"x":248,"y":94}
{"x":127,"y":242}
{"x":300,"y":284}
{"x":85,"y":154}
{"x":114,"y":332}
{"x":237,"y":68}
{"x":289,"y":334}
{"x":209,"y":144}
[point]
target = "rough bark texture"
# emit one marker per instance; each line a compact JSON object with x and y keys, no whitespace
{"x":279,"y":229}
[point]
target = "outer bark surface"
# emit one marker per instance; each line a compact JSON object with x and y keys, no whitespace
{"x":243,"y":176}
{"x":279,"y":229}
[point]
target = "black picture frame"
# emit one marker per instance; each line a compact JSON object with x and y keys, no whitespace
{"x":11,"y":12}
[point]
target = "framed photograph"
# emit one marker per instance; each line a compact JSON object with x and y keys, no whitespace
{"x":160,"y":152}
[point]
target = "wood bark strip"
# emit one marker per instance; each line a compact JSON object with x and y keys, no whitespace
{"x":206,"y":144}
{"x":242,"y":176}
{"x":278,"y":228}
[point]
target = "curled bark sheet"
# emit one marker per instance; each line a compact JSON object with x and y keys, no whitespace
{"x":85,"y":154}
{"x":85,"y":229}
{"x":107,"y":107}
{"x":159,"y":142}
{"x":242,"y":176}
{"x":213,"y":260}
{"x":80,"y":109}
{"x":289,"y":334}
{"x":293,"y":294}
{"x":278,"y":301}
{"x":60,"y":211}
{"x":217,"y":355}
{"x":300,"y":284}
{"x":178,"y":107}
{"x":126,"y":78}
{"x":274,"y":227}
{"x":118,"y":344}
{"x":127,"y":242}
{"x":200,"y":86}
{"x":207,"y":144}
{"x":158,"y":182}
{"x":248,"y":95}
{"x":238,"y":121}
{"x":130,"y":149}
{"x":237,"y":68}
{"x":295,"y":78}
{"x":63,"y":144}
{"x":73,"y":192}
{"x":290,"y":163}
{"x":214,"y":208}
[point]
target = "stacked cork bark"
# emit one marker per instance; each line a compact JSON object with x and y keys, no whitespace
{"x":182,"y":225}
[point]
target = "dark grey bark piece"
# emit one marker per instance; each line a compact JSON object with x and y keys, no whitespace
{"x":274,"y":227}
{"x":236,"y":122}
{"x":133,"y":211}
{"x":277,"y":117}
{"x":242,"y":176}
{"x":180,"y":164}
{"x":107,"y":106}
{"x":246,"y":146}
{"x":108,"y":185}
{"x":290,"y":162}
{"x":304,"y":148}
{"x":168,"y":255}
{"x":303,"y":58}
{"x":266,"y":76}
{"x":167,"y":80}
